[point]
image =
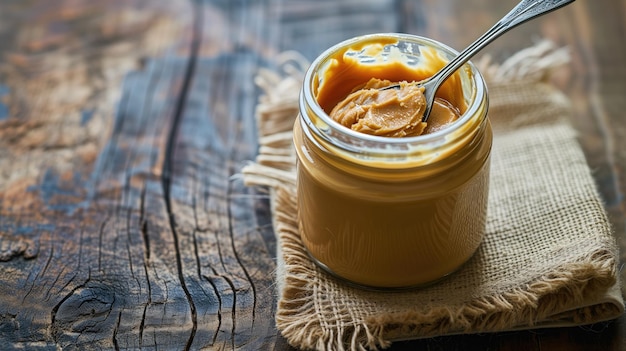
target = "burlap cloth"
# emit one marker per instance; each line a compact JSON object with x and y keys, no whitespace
{"x":548,"y":257}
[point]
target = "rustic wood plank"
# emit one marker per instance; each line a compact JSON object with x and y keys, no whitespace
{"x":151,"y":242}
{"x":86,"y":279}
{"x":221,"y":250}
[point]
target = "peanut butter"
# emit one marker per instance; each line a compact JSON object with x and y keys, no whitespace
{"x":390,"y":213}
{"x":397,"y":112}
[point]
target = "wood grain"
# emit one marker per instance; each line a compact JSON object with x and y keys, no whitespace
{"x":124,"y":124}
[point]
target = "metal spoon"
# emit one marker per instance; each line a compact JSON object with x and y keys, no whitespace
{"x":524,"y":11}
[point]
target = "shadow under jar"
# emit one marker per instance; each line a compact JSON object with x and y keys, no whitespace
{"x":384,"y":212}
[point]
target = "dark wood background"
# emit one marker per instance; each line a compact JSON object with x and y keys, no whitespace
{"x":123,"y":125}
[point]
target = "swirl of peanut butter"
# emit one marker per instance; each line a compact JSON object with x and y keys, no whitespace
{"x":391,"y":112}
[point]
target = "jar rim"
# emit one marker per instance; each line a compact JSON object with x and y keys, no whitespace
{"x":308,"y":99}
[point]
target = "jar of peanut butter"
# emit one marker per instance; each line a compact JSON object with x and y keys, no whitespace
{"x":395,"y":210}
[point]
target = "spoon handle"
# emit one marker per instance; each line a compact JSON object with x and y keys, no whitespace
{"x":524,"y":11}
{"x":529,"y":9}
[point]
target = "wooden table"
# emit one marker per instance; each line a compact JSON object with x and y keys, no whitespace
{"x":123,"y":125}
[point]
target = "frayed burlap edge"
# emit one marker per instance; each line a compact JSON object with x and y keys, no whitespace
{"x":559,"y":296}
{"x":559,"y":293}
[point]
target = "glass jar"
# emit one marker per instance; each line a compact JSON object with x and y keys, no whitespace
{"x":386,"y":212}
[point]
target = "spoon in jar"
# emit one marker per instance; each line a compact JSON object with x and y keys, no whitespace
{"x":524,"y":11}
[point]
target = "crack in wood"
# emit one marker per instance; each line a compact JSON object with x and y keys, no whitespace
{"x":236,"y":254}
{"x":219,"y":308}
{"x":167,"y":169}
{"x":115,"y":330}
{"x":100,"y":235}
{"x":143,"y":223}
{"x":54,"y":330}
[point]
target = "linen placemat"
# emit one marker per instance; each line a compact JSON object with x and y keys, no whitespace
{"x":548,"y":257}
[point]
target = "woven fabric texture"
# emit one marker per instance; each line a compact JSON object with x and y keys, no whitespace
{"x":548,"y":257}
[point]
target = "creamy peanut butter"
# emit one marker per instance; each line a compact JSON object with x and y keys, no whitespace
{"x":391,"y":219}
{"x":395,"y":112}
